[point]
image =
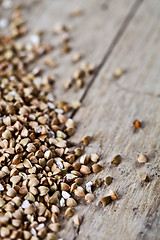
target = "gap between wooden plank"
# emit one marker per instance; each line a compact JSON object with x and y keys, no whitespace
{"x":117,"y":37}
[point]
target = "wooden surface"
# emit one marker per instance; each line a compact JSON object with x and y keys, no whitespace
{"x":92,"y":34}
{"x":108,"y":111}
{"x":123,"y":33}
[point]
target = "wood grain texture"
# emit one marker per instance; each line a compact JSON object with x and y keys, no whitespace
{"x":91,"y":33}
{"x":109,"y":108}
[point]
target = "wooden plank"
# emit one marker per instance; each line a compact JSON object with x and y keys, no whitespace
{"x":91,"y":33}
{"x":92,"y":40}
{"x":109,"y":108}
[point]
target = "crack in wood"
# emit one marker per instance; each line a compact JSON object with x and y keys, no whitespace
{"x":78,"y":230}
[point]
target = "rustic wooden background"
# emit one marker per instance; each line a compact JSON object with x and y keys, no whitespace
{"x":111,"y":33}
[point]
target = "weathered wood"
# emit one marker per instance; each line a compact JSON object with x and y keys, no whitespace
{"x":109,"y":108}
{"x":91,"y":33}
